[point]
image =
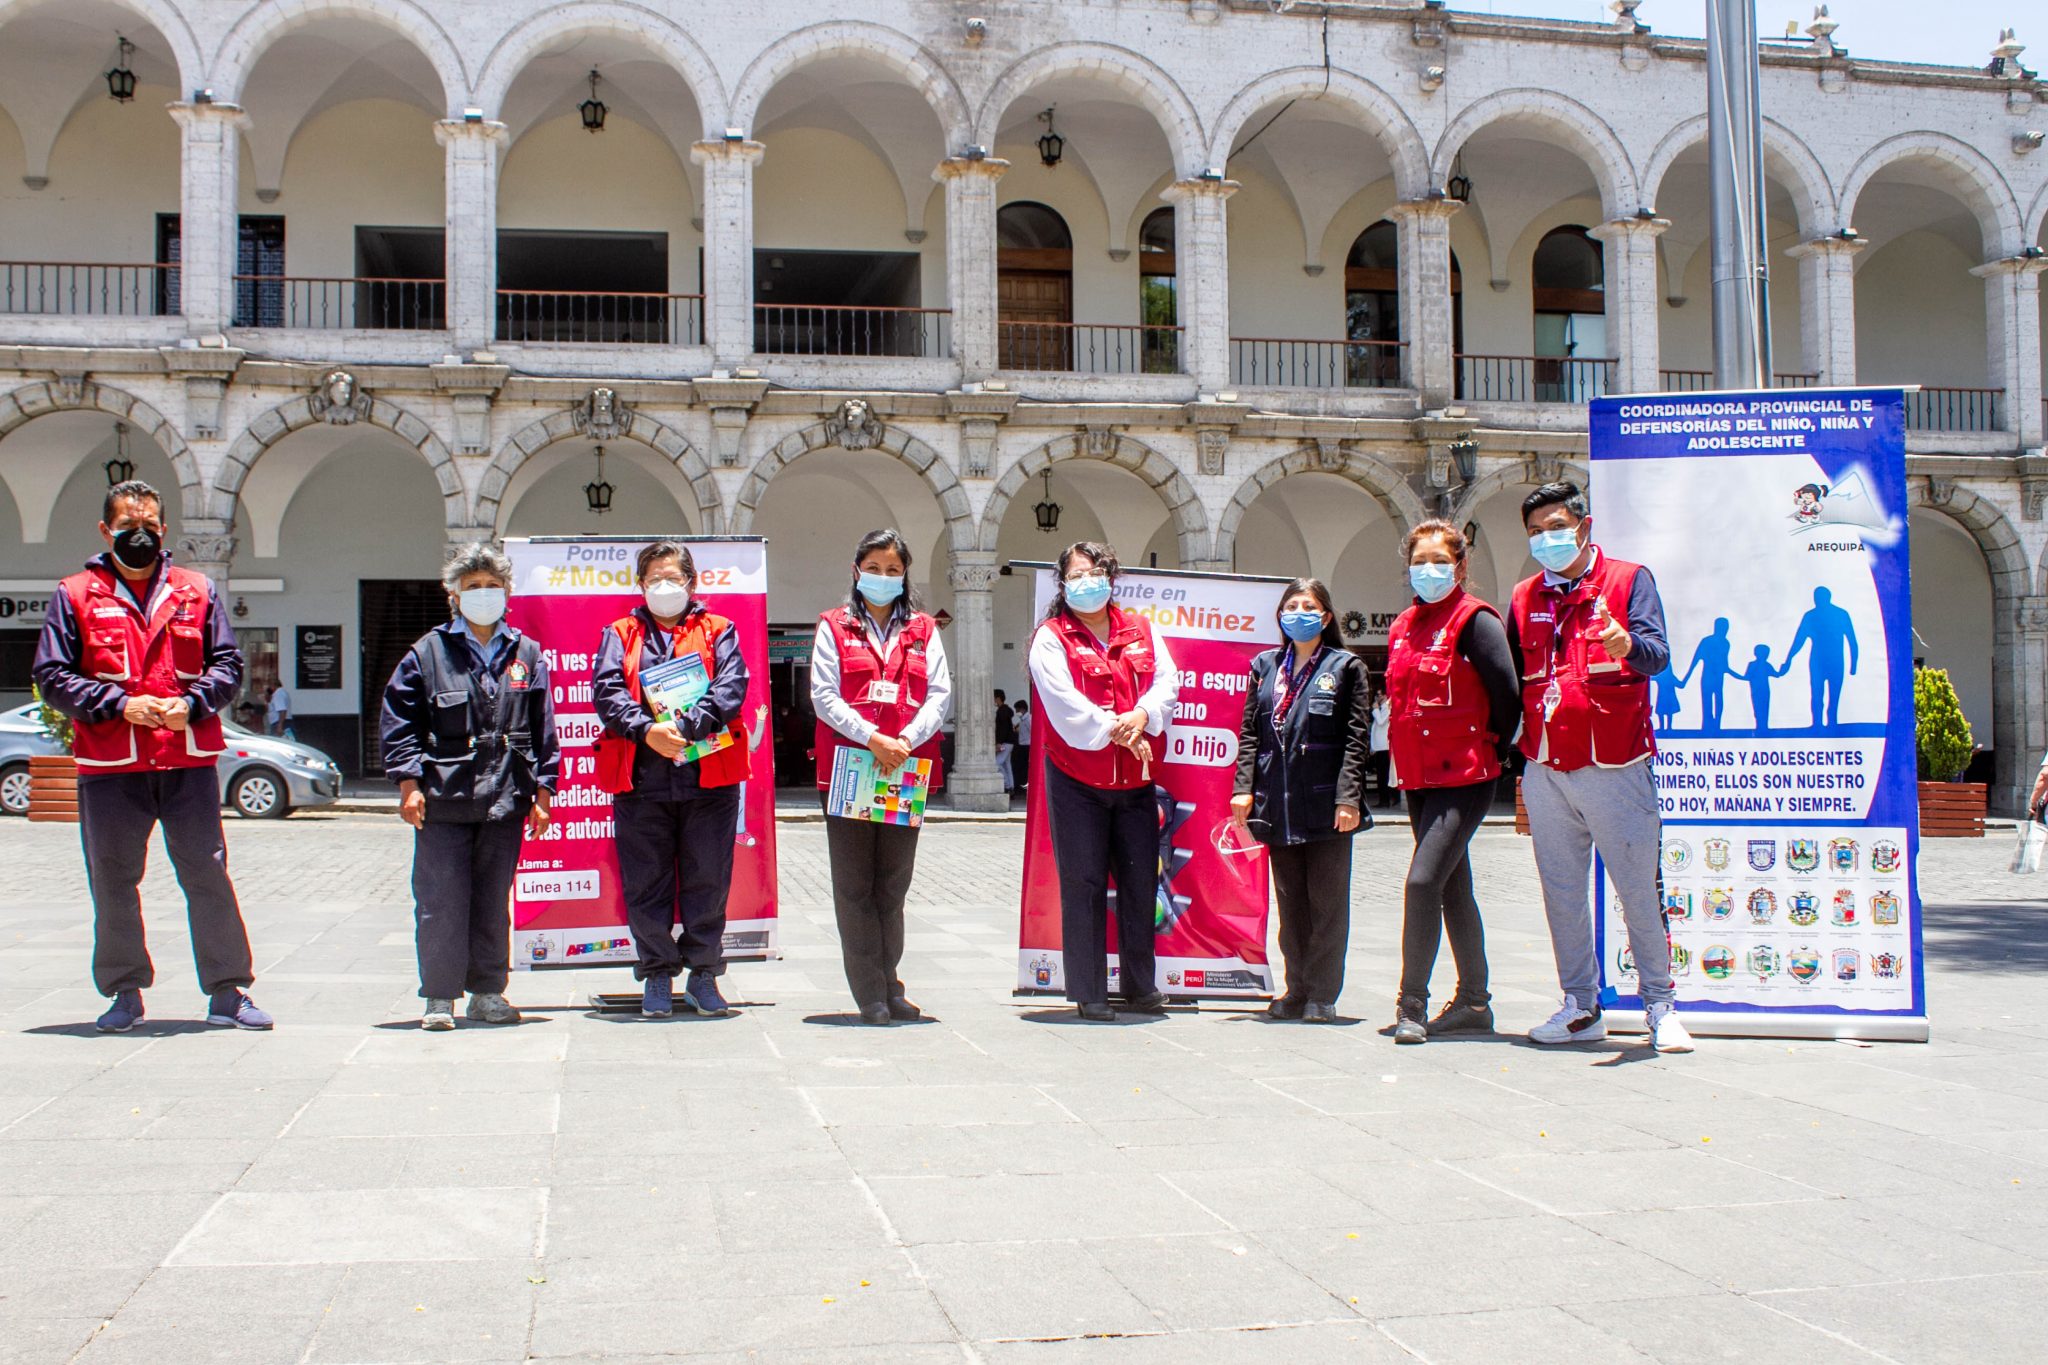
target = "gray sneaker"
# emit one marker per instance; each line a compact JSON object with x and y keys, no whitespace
{"x":440,"y":1016}
{"x":491,"y":1007}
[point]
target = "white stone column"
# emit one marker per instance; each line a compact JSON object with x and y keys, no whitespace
{"x":971,"y":259}
{"x":974,"y":783}
{"x":1428,"y":362}
{"x":1631,"y":292}
{"x":2012,"y":318}
{"x":209,"y":235}
{"x":206,"y":547}
{"x":1827,"y":306}
{"x":728,"y":246}
{"x":1201,"y":284}
{"x":471,"y":269}
{"x":2019,"y":725}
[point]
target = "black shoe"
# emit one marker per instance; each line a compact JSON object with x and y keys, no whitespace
{"x":900,"y":1008}
{"x":1151,"y":1002}
{"x":1096,"y":1012}
{"x":1284,"y":1007}
{"x":1459,"y":1017}
{"x":1318,"y":1012}
{"x":1409,"y":1026}
{"x":876,"y":1015}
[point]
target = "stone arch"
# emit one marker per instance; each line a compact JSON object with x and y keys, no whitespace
{"x":1983,"y":188}
{"x":512,"y":52}
{"x":1345,"y":460}
{"x":1183,"y":504}
{"x":20,"y":406}
{"x":162,"y":15}
{"x":296,"y":415}
{"x":2037,"y":219}
{"x":1578,"y":128}
{"x":1379,"y":113}
{"x":657,"y":436}
{"x":1530,"y":470}
{"x":919,"y":67}
{"x":1812,"y":190}
{"x":255,"y":32}
{"x":892,"y":440}
{"x":1137,"y":76}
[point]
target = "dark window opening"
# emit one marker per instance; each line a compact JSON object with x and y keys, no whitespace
{"x":259,"y":252}
{"x":1158,"y":300}
{"x":399,"y":277}
{"x":586,"y":286}
{"x":840,"y":303}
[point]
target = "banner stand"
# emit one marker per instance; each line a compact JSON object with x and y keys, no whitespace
{"x":1707,"y":1023}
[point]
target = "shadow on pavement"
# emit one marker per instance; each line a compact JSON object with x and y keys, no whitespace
{"x":148,"y":1028}
{"x":1985,"y":937}
{"x":850,"y":1020}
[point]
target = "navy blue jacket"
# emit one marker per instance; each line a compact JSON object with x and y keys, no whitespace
{"x":655,"y":777}
{"x":442,"y":738}
{"x":1298,"y":772}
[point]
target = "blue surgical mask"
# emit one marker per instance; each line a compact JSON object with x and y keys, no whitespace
{"x":1090,"y":594}
{"x":1555,"y":549}
{"x":880,"y":588}
{"x":1432,"y":582}
{"x":1301,"y":626}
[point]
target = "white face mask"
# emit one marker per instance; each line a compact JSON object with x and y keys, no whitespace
{"x":482,"y":606}
{"x":665,"y":598}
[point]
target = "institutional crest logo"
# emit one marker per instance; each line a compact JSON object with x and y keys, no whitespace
{"x":1884,"y":908}
{"x":1844,"y":909}
{"x":1720,"y":903}
{"x":540,"y":948}
{"x":1041,"y":972}
{"x":1885,"y":856}
{"x":1802,"y":855}
{"x":1625,"y":961}
{"x":1763,"y":854}
{"x":1677,"y":855}
{"x":1677,"y":905}
{"x":1716,"y":851}
{"x":1718,"y":961}
{"x":1764,"y":961}
{"x":1847,"y":961}
{"x":1763,"y":905}
{"x":1802,"y":908}
{"x":1681,"y":960}
{"x":1886,"y":966}
{"x":1802,"y":964}
{"x":1842,"y":856}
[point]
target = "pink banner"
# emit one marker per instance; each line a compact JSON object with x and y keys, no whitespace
{"x":567,"y":910}
{"x":1211,"y":911}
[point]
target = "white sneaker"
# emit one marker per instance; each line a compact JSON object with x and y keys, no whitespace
{"x":439,"y":1016}
{"x":1570,"y":1025}
{"x":1667,"y":1034}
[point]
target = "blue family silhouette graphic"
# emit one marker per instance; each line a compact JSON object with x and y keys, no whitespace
{"x":1826,"y":632}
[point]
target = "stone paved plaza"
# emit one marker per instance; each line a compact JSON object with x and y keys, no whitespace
{"x":998,"y":1184}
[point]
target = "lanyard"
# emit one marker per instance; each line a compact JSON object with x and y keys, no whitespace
{"x":1284,"y":684}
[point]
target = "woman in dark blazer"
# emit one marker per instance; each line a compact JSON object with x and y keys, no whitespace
{"x":1300,"y":790}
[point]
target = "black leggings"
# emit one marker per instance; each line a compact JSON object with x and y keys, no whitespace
{"x":1439,"y":890}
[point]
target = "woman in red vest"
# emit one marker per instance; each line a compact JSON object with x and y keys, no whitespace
{"x":677,"y":796}
{"x":1455,"y":702}
{"x":880,"y":686}
{"x":1106,"y":688}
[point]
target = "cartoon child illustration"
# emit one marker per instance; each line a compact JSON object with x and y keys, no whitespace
{"x":1806,"y":502}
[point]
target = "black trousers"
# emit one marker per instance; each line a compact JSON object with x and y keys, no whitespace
{"x":871,"y":869}
{"x":675,"y":866}
{"x":462,"y":905}
{"x":1312,"y":890}
{"x":116,"y":812}
{"x":1438,"y":896}
{"x":1377,"y":764}
{"x":1097,"y":834}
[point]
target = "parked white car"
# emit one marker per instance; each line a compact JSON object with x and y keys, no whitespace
{"x":261,"y":777}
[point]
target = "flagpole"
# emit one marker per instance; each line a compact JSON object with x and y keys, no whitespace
{"x":1741,"y":265}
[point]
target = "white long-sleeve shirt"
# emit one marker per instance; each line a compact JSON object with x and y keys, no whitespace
{"x":1079,"y":721}
{"x":835,"y":710}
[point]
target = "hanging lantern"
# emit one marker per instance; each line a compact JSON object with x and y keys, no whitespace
{"x":1459,"y":186}
{"x":597,"y":492}
{"x":1050,"y":144}
{"x":592,"y":109}
{"x":1048,"y":511}
{"x":120,"y":469}
{"x":121,"y":80}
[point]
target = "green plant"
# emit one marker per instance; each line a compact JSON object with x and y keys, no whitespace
{"x":1941,"y":730}
{"x":55,"y":723}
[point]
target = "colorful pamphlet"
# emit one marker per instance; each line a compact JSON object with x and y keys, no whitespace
{"x":671,"y":688}
{"x":860,"y":792}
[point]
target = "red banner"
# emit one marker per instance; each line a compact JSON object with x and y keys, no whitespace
{"x":567,"y":909}
{"x":1211,"y":911}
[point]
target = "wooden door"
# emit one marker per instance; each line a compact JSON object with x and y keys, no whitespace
{"x":1033,"y":308}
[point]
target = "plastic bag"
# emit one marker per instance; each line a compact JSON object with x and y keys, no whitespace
{"x":2031,"y":852}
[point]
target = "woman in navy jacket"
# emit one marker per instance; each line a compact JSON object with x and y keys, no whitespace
{"x":1300,"y":789}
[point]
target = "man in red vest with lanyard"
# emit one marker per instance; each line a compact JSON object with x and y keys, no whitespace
{"x":1587,"y":635}
{"x":140,"y":655}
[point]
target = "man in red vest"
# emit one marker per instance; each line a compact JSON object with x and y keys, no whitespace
{"x":140,"y":655}
{"x":1587,"y":634}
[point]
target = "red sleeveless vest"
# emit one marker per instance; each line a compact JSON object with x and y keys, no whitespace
{"x":907,"y":669}
{"x":1112,"y":674}
{"x":1602,"y":716}
{"x":698,"y":631}
{"x":157,"y":657}
{"x":1438,"y":716}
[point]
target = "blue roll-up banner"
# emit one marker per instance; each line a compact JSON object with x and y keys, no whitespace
{"x":1775,"y":524}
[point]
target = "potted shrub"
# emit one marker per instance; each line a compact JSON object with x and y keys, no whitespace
{"x":53,"y":778}
{"x":1949,"y":807}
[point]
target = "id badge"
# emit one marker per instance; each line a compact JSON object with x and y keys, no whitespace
{"x":884,"y":693}
{"x":1552,"y":695}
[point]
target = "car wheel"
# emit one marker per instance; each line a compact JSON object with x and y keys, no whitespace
{"x":260,"y":794}
{"x":14,"y":790}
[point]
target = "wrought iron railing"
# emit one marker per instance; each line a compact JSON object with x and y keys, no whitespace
{"x":1088,"y":347}
{"x":1698,"y":381}
{"x":336,"y":304}
{"x":851,"y":330}
{"x":1287,"y":363}
{"x":88,"y":290}
{"x":1533,"y":378}
{"x":1955,"y":409}
{"x":613,"y":319}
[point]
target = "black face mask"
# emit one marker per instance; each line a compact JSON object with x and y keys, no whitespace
{"x":137,"y":547}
